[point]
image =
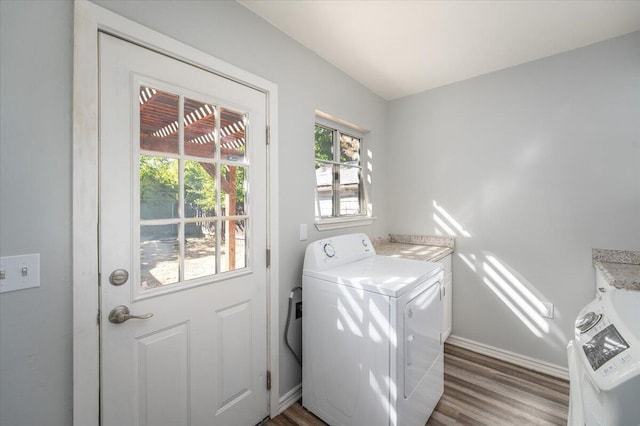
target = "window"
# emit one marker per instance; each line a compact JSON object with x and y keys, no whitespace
{"x":193,"y":189}
{"x":340,"y":191}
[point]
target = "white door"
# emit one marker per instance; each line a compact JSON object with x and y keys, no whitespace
{"x":183,"y":212}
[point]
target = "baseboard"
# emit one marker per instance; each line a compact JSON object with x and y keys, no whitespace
{"x":514,"y":358}
{"x":290,"y":398}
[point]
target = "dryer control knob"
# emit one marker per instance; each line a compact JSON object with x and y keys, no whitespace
{"x":328,"y":249}
{"x":587,"y":322}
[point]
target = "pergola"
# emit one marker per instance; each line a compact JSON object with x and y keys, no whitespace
{"x":159,"y":132}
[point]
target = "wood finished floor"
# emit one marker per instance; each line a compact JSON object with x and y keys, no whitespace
{"x":479,"y":390}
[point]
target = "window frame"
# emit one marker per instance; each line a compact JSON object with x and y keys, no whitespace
{"x":336,"y":221}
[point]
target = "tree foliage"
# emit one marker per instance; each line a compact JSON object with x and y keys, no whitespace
{"x":323,"y":143}
{"x":199,"y":188}
{"x":160,"y":185}
{"x":158,"y":179}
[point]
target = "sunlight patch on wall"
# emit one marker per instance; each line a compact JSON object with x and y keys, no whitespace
{"x":505,"y":290}
{"x":469,"y":260}
{"x":448,"y":224}
{"x":516,"y":293}
{"x":512,"y":289}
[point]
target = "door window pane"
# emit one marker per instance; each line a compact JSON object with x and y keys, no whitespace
{"x":159,"y":187}
{"x":233,"y":245}
{"x":232,"y":135}
{"x":200,"y":249}
{"x":232,"y":180}
{"x":199,"y":189}
{"x":199,"y":129}
{"x":158,"y":120}
{"x":193,"y":196}
{"x":159,"y":255}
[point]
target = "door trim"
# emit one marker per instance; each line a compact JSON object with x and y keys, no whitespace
{"x":89,"y":20}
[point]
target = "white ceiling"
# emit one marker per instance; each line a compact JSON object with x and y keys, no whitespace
{"x":398,"y":48}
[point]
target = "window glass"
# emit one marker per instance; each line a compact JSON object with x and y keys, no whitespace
{"x":200,"y":249}
{"x":349,"y":149}
{"x":199,"y":189}
{"x":159,"y":187}
{"x":233,"y":245}
{"x":234,"y":189}
{"x":324,"y":189}
{"x":232,"y":133}
{"x":349,"y":191}
{"x":339,"y":186}
{"x":192,"y":189}
{"x":159,"y":256}
{"x":199,"y":129}
{"x":158,"y":120}
{"x":324,"y":143}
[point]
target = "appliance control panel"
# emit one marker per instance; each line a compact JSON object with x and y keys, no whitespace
{"x":605,"y":345}
{"x":336,"y":251}
{"x":602,"y":343}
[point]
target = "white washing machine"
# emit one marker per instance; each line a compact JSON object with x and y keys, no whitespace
{"x":604,"y":362}
{"x":371,"y":335}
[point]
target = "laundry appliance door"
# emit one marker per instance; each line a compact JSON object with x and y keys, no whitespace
{"x":420,"y":365}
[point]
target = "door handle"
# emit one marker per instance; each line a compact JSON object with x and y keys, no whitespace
{"x":121,"y":313}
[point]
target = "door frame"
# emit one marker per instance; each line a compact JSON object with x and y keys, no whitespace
{"x":89,"y":20}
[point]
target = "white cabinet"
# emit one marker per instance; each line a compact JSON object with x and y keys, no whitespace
{"x":447,"y":295}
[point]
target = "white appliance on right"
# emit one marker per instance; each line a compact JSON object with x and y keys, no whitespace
{"x":604,"y":361}
{"x":371,"y":335}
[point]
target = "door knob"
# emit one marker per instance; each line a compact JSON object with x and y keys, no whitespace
{"x":121,"y":313}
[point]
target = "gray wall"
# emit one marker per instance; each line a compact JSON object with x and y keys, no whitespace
{"x":35,"y":210}
{"x":35,"y":189}
{"x":537,"y":164}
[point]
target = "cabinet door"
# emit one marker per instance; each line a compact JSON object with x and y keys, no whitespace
{"x":447,"y":308}
{"x":447,"y":290}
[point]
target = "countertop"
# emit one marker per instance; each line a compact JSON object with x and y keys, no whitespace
{"x":620,"y":268}
{"x":418,"y":247}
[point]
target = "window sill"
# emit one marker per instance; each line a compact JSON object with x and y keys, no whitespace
{"x":343,"y":222}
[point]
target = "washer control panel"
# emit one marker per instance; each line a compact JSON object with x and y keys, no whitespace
{"x":605,"y":345}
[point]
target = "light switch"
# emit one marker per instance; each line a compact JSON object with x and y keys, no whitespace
{"x":19,"y":272}
{"x":303,"y":232}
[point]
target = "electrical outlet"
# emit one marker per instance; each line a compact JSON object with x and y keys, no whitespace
{"x":298,"y":310}
{"x":548,"y":310}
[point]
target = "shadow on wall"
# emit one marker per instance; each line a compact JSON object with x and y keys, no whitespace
{"x":517,"y":293}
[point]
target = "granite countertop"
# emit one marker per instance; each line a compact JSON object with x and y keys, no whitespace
{"x":620,"y":268}
{"x":418,"y":247}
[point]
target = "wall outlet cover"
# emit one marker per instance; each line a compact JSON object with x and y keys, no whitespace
{"x":548,"y":310}
{"x":20,"y":272}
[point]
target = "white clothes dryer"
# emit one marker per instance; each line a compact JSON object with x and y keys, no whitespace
{"x":372,"y":335}
{"x":604,"y":362}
